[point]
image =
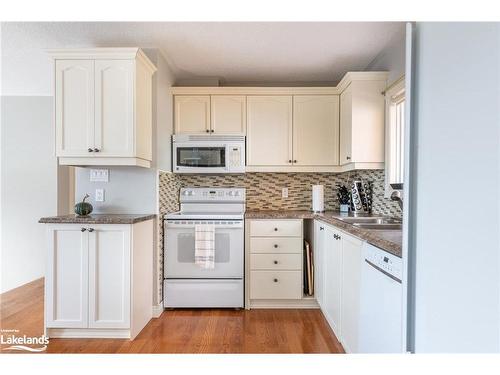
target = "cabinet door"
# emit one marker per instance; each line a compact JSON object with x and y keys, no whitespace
{"x":269,"y":130}
{"x":316,"y":130}
{"x":228,"y":114}
{"x":351,"y":282}
{"x":346,"y":126}
{"x":66,"y":281}
{"x":114,"y":108}
{"x":319,"y":262}
{"x":192,"y":114}
{"x":74,"y":107}
{"x":109,"y":276}
{"x":333,"y":280}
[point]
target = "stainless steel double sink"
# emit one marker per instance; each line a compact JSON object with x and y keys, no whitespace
{"x":373,"y":222}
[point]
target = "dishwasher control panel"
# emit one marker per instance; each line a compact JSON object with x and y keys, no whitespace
{"x":389,"y":263}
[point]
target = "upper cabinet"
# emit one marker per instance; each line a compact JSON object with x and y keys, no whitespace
{"x":269,"y":133}
{"x":214,"y":114}
{"x":362,"y":107}
{"x":316,"y":130}
{"x":103,"y":107}
{"x":294,"y":129}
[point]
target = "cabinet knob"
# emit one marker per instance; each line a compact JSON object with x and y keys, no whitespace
{"x":96,"y":150}
{"x":91,"y":229}
{"x":275,"y":246}
{"x":275,"y":280}
{"x":348,"y":157}
{"x":275,"y":229}
{"x":321,"y":228}
{"x":295,"y":161}
{"x":275,"y":262}
{"x":83,"y":229}
{"x":289,"y":161}
{"x":90,"y":150}
{"x":208,"y":131}
{"x":211,"y":130}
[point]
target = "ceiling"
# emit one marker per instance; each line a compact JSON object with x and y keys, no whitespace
{"x":235,"y":53}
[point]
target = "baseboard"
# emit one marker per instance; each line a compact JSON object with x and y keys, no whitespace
{"x":305,"y":303}
{"x":88,"y":333}
{"x":158,"y":310}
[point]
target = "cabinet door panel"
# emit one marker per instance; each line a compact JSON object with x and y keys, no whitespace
{"x":109,"y":277}
{"x":66,"y":289}
{"x":346,"y":126}
{"x":192,"y":114}
{"x":316,"y":130}
{"x":228,"y":114}
{"x":333,"y":280}
{"x":74,"y":107}
{"x":114,"y":107}
{"x":269,"y":130}
{"x":351,"y":282}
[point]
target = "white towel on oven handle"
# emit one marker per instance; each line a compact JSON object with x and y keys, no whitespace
{"x":204,"y":245}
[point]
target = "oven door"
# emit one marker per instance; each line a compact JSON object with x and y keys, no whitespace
{"x":179,"y":250}
{"x":200,"y":158}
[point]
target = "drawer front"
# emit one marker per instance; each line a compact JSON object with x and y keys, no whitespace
{"x":273,"y":245}
{"x":276,"y":261}
{"x":275,"y":284}
{"x":276,"y":228}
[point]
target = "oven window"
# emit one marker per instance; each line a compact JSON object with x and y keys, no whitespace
{"x":201,"y":157}
{"x":186,"y":243}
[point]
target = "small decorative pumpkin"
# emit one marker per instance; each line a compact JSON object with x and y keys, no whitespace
{"x":83,"y":208}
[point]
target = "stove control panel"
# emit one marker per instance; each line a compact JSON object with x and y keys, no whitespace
{"x":212,"y":194}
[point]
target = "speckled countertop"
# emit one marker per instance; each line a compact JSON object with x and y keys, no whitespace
{"x":388,"y":240}
{"x":96,"y":219}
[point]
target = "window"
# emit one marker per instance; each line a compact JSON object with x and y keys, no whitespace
{"x":395,"y":133}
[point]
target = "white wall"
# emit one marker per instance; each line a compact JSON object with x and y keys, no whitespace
{"x":391,"y":59}
{"x":29,"y":186}
{"x":457,"y":119}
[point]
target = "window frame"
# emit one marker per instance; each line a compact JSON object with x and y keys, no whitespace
{"x":394,"y":95}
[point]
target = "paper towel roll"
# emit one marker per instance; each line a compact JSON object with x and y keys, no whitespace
{"x":318,"y":198}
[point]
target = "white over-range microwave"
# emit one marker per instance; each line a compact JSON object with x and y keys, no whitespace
{"x":208,"y":153}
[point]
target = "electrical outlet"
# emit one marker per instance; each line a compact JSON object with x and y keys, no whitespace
{"x":99,"y":175}
{"x":99,"y":195}
{"x":284,"y":192}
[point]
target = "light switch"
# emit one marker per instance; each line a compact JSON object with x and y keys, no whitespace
{"x":284,"y":193}
{"x":99,"y":175}
{"x":99,"y":195}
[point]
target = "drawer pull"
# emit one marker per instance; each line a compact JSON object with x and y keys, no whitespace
{"x":275,"y":246}
{"x":83,"y":229}
{"x":275,"y":229}
{"x":275,"y":280}
{"x":275,"y":262}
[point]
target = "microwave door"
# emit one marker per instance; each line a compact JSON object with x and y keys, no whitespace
{"x":211,"y":158}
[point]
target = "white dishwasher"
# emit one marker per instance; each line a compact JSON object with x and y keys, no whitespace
{"x":381,"y":310}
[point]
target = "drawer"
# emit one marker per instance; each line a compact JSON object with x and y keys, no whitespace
{"x":276,"y":262}
{"x":273,"y":245}
{"x":275,"y":284}
{"x":276,"y":228}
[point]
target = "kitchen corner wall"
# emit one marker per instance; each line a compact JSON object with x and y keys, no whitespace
{"x":264,"y":193}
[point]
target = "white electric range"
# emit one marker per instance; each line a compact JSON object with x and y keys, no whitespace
{"x":185,"y":283}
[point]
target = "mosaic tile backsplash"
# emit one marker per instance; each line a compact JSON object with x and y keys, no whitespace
{"x":264,"y":193}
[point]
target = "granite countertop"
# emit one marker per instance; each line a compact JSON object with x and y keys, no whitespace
{"x":388,"y":240}
{"x":97,"y":219}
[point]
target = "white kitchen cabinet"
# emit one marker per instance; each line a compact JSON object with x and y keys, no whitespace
{"x":109,"y":276}
{"x":362,"y":123}
{"x":352,"y":249}
{"x":66,"y":281}
{"x":319,"y":262}
{"x":99,"y":279}
{"x":269,"y":131}
{"x":316,"y":130}
{"x":103,"y":106}
{"x":333,"y":279}
{"x":228,"y":114}
{"x":192,"y":114}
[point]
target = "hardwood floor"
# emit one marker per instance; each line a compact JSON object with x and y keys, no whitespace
{"x":185,"y":331}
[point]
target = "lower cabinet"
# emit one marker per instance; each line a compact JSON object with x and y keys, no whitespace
{"x":98,"y":279}
{"x":338,"y":260}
